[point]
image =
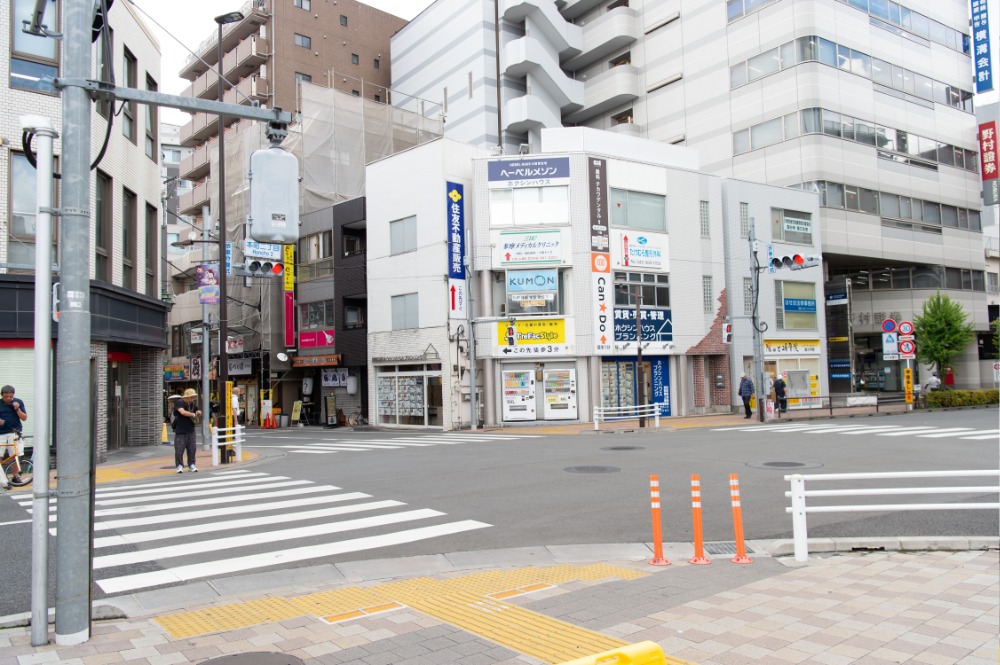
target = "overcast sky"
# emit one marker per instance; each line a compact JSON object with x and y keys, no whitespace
{"x":191,"y":22}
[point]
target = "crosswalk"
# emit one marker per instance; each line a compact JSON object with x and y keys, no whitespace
{"x":918,"y":431}
{"x":179,"y":530}
{"x":330,"y":445}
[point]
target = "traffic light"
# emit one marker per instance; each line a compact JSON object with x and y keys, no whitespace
{"x":727,"y":332}
{"x":263,"y":267}
{"x":795,"y":262}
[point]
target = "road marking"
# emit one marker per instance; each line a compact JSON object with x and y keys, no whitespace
{"x":913,"y":431}
{"x":987,"y":434}
{"x":182,"y":505}
{"x":214,"y":491}
{"x":238,"y":564}
{"x":948,"y":432}
{"x":875,"y":429}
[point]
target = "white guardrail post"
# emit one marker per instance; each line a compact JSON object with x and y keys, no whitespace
{"x":597,"y":418}
{"x":800,"y":534}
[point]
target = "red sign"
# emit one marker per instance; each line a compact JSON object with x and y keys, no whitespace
{"x":988,"y":150}
{"x":905,"y":328}
{"x":316,"y":338}
{"x":290,"y":319}
{"x":907,"y":347}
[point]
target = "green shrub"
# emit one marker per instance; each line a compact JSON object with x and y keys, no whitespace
{"x":946,"y":398}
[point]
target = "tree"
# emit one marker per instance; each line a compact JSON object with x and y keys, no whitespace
{"x":942,"y":331}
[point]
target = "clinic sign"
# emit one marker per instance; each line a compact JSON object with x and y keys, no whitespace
{"x":518,"y":248}
{"x":981,"y":46}
{"x":457,"y":295}
{"x":640,"y":250}
{"x":988,"y":162}
{"x":535,"y":172}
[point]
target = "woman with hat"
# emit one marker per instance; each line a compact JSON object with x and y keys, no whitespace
{"x":186,"y":416}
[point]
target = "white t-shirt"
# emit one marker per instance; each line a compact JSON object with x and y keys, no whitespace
{"x":236,"y":405}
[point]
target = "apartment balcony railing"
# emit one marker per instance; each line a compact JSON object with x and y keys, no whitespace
{"x":606,"y":91}
{"x":191,"y":202}
{"x":202,"y":127}
{"x":255,"y":87}
{"x":246,"y":58}
{"x":605,"y":35}
{"x":255,"y":14}
{"x":196,"y":165}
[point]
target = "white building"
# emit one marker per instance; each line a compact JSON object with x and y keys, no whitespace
{"x":561,"y":244}
{"x":868,"y":102}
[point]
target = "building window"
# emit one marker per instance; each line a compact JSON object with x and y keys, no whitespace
{"x":378,"y":98}
{"x":795,"y":305}
{"x":353,"y":243}
{"x":315,"y":256}
{"x":404,"y":311}
{"x":102,"y":228}
{"x":529,"y":206}
{"x":531,"y":292}
{"x":343,"y":20}
{"x":303,"y":4}
{"x":623,"y":59}
{"x":130,"y":65}
{"x":375,"y":63}
{"x":316,"y":315}
{"x":355,"y":59}
{"x":791,"y":226}
{"x":152,"y":242}
{"x":653,"y":287}
{"x":638,"y":210}
{"x":993,"y":282}
{"x":354,"y":317}
{"x":303,"y":41}
{"x":703,"y":218}
{"x":403,"y":235}
{"x":152,"y":122}
{"x":129,"y":233}
{"x":623,"y":118}
{"x":355,"y":93}
{"x":744,"y":220}
{"x":33,"y":58}
{"x":21,"y":240}
{"x":748,"y":296}
{"x":707,"y":294}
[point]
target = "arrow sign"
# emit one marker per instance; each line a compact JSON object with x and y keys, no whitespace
{"x":452,"y":297}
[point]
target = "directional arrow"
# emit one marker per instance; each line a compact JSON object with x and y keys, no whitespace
{"x":507,"y":256}
{"x":604,"y":339}
{"x":453,"y":296}
{"x":506,"y":349}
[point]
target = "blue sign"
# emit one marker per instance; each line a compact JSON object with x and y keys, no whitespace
{"x":229,"y":259}
{"x":456,"y":231}
{"x":840,"y":364}
{"x":981,"y":46}
{"x":836,"y":298}
{"x":656,"y":325}
{"x":840,"y":375}
{"x":800,"y":305}
{"x":659,"y":368}
{"x":888,"y":325}
{"x":529,"y":172}
{"x":532,"y":280}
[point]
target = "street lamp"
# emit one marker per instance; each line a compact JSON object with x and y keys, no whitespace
{"x":224,"y":19}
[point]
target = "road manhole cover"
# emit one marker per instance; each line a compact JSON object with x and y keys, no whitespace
{"x":624,"y":448}
{"x":784,"y":466}
{"x":255,"y":658}
{"x":592,"y":469}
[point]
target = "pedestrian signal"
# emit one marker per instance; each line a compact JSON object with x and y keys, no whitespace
{"x":727,"y":333}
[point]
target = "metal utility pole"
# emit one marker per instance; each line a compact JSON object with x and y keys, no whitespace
{"x":206,"y":336}
{"x":74,"y":547}
{"x":758,"y":330}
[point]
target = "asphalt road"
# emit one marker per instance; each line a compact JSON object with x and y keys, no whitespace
{"x":494,"y":492}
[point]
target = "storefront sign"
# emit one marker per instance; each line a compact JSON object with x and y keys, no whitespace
{"x":207,"y":276}
{"x":316,"y":361}
{"x":656,"y":325}
{"x":314,"y":338}
{"x":532,"y":280}
{"x":791,"y":347}
{"x":532,"y":337}
{"x":174,"y":372}
{"x":529,"y":248}
{"x":660,"y":381}
{"x":457,"y":296}
{"x":600,"y":256}
{"x":807,"y":305}
{"x":981,"y":46}
{"x":989,"y":162}
{"x":289,"y":268}
{"x":196,"y":369}
{"x":834,"y":299}
{"x":289,"y":318}
{"x":240,"y":366}
{"x":640,"y":250}
{"x":234,"y":344}
{"x":796,"y":225}
{"x":196,"y":336}
{"x":528,"y":172}
{"x":333,"y":377}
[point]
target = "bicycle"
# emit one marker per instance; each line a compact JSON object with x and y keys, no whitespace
{"x":16,"y":466}
{"x":357,"y":418}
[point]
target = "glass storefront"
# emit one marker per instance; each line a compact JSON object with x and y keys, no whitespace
{"x":409,"y":395}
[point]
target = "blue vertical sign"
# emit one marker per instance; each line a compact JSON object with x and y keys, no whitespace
{"x":457,"y":296}
{"x":981,"y":58}
{"x":659,"y":366}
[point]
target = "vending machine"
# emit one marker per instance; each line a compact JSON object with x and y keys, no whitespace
{"x":518,"y":395}
{"x":559,"y":389}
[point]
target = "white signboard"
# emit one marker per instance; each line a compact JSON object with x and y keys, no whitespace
{"x":527,"y":249}
{"x":637,"y":250}
{"x":334,"y":376}
{"x":890,"y":344}
{"x":262,"y":250}
{"x":996,"y":372}
{"x":240,"y":366}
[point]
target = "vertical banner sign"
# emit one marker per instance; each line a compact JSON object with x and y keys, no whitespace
{"x":981,"y":46}
{"x":908,"y":384}
{"x":456,"y":251}
{"x":207,"y":276}
{"x":289,"y":283}
{"x":600,"y":255}
{"x":988,"y":162}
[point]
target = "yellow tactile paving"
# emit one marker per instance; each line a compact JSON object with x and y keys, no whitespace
{"x":461,"y":601}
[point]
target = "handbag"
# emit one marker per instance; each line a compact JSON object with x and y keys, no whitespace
{"x":753,"y":401}
{"x":196,"y":420}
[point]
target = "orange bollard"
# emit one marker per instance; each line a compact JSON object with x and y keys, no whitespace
{"x":741,"y":549}
{"x":654,"y":499}
{"x":699,"y":538}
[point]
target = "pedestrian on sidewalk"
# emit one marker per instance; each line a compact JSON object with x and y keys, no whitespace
{"x":186,"y":416}
{"x":933,"y":383}
{"x":12,"y":413}
{"x":237,"y":412}
{"x":746,"y":392}
{"x":779,"y":394}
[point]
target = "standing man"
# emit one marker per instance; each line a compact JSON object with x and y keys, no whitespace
{"x":236,"y":405}
{"x":779,"y":394}
{"x":746,"y":392}
{"x":12,"y":414}
{"x":933,"y":383}
{"x":186,"y":415}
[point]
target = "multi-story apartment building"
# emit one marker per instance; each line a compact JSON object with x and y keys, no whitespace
{"x":267,"y":56}
{"x":867,"y":102}
{"x":127,"y":316}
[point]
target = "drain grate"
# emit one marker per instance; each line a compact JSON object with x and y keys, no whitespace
{"x":624,"y":448}
{"x":784,"y":465}
{"x":719,"y":549}
{"x":592,"y":469}
{"x":255,"y":658}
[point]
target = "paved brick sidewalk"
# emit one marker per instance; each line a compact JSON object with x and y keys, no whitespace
{"x":925,"y":607}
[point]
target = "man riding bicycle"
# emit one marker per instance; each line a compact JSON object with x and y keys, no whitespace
{"x":12,"y":413}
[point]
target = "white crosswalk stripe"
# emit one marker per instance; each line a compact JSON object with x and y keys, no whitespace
{"x":326,"y":446}
{"x":916,"y":431}
{"x":165,"y":532}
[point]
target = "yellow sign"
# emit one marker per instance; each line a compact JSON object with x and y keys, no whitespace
{"x":296,"y":410}
{"x":837,"y":339}
{"x":527,"y":331}
{"x":791,"y":347}
{"x":908,"y":384}
{"x":289,"y":271}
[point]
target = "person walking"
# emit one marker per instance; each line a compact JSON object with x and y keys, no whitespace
{"x":779,"y":394}
{"x":237,"y":412}
{"x":933,"y":383}
{"x":186,"y":416}
{"x":746,"y":392}
{"x":12,"y":414}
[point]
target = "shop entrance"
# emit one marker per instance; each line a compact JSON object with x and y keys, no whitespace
{"x":117,"y":404}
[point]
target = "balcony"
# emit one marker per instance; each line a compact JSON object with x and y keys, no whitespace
{"x":546,"y":25}
{"x":252,"y":88}
{"x":255,"y":14}
{"x":191,"y":202}
{"x":607,"y":34}
{"x":523,"y":114}
{"x":528,"y":57}
{"x":246,"y":58}
{"x":606,"y":91}
{"x":572,"y":9}
{"x":627,"y":128}
{"x":202,"y":127}
{"x":196,"y":165}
